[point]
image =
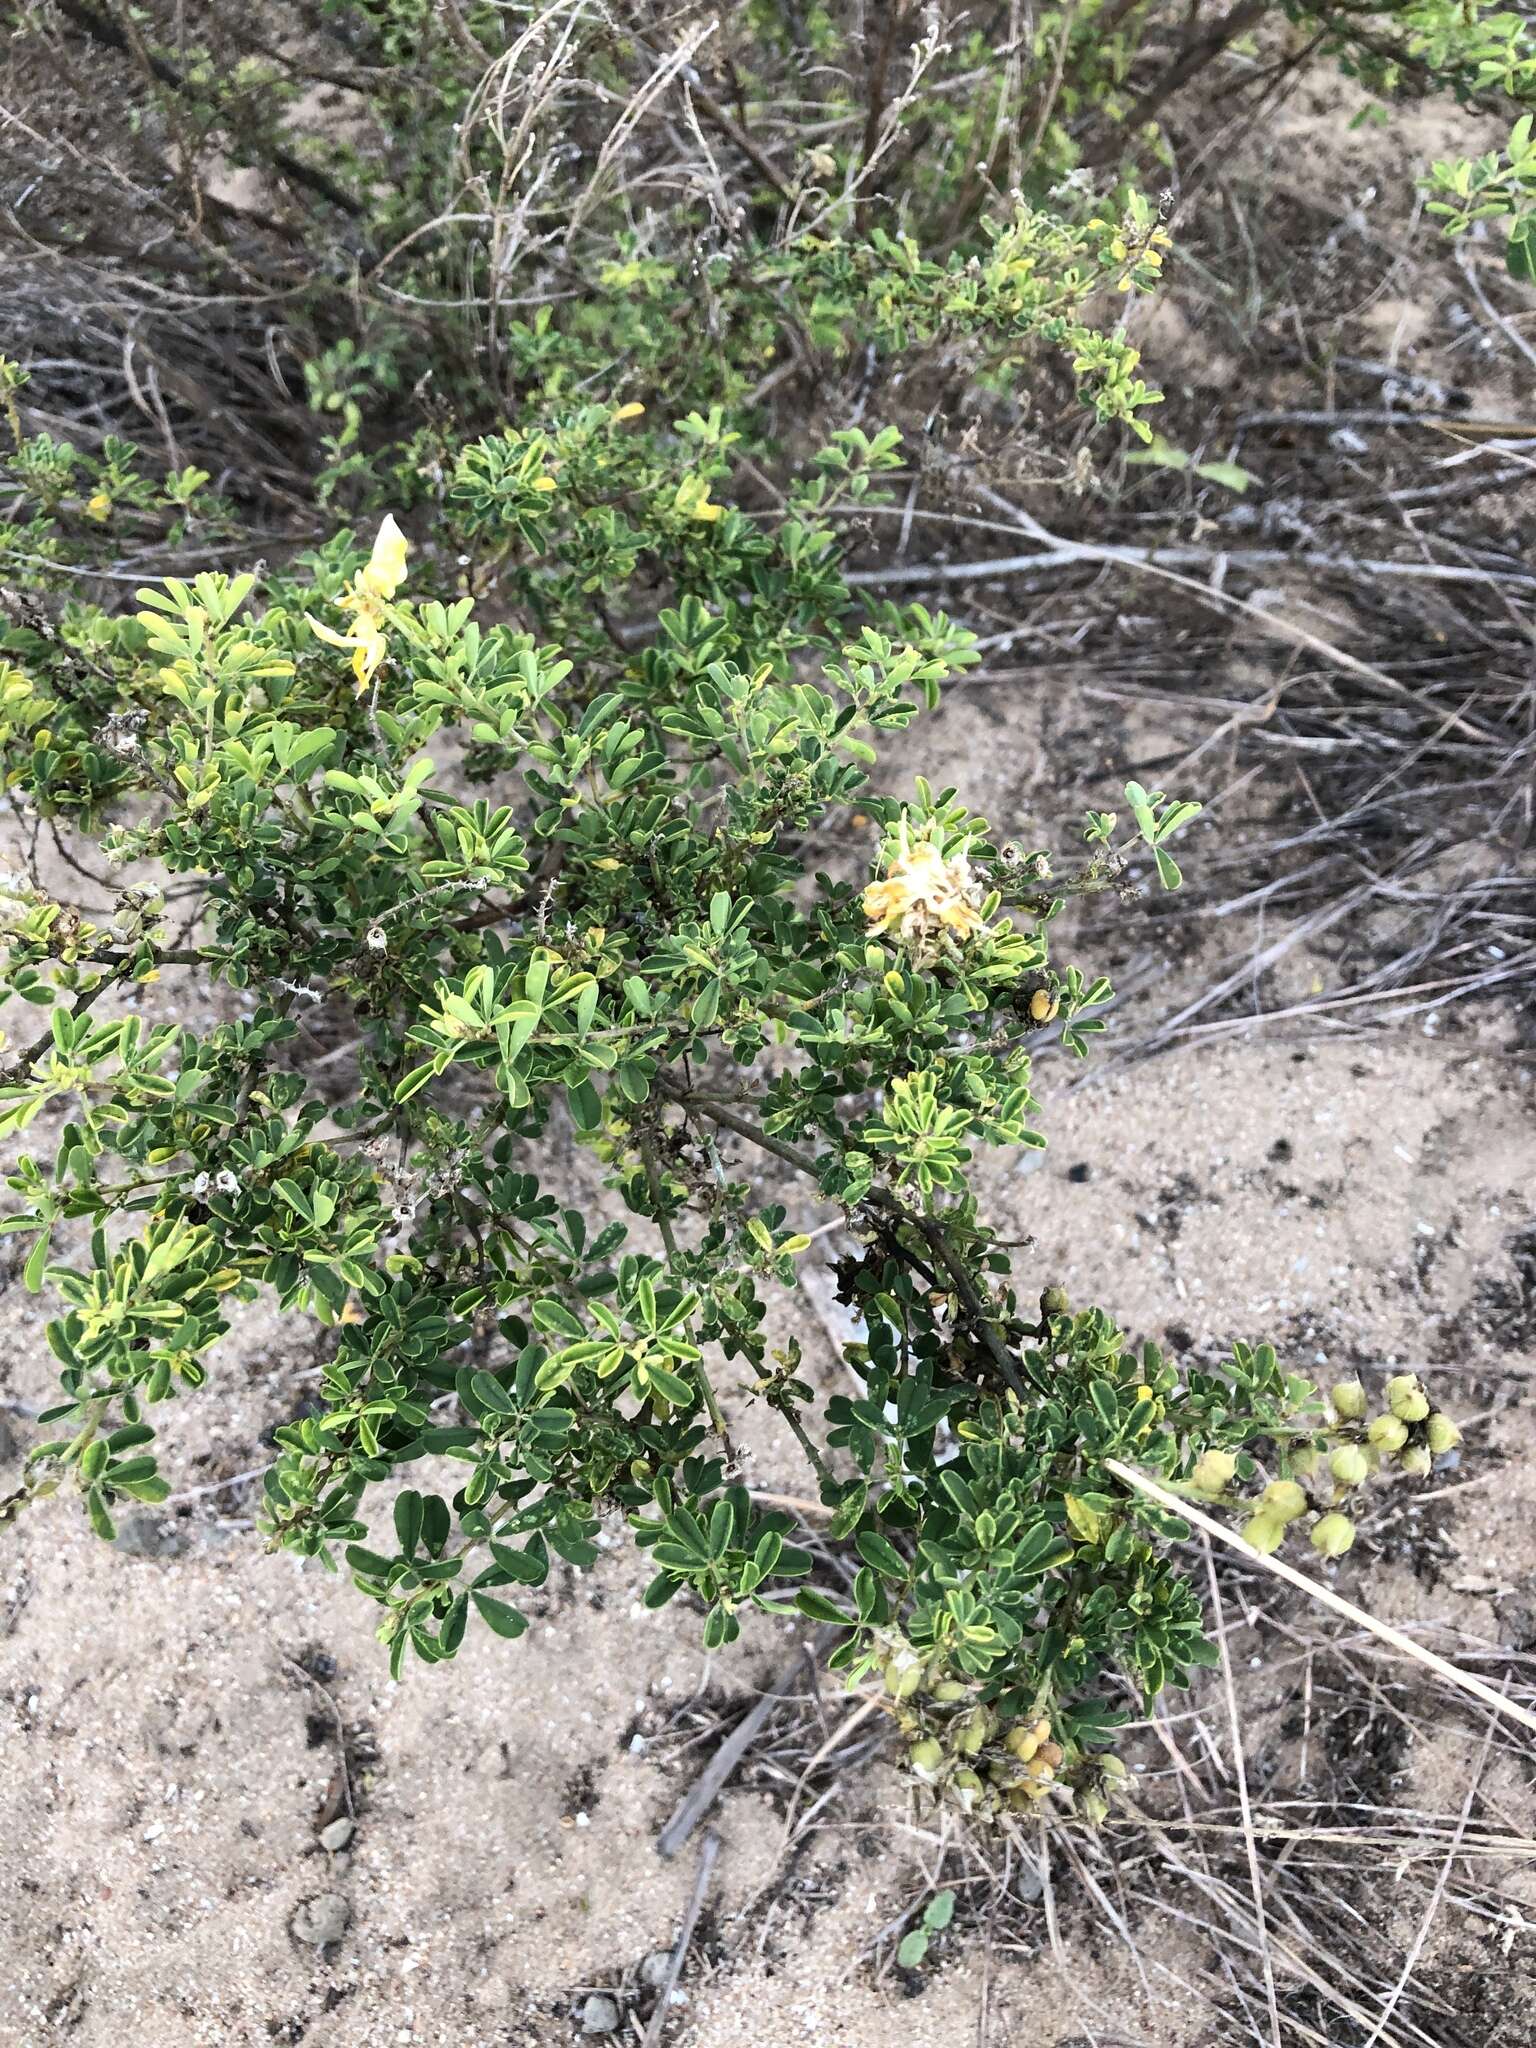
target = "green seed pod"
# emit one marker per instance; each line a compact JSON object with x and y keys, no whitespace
{"x":972,"y":1730}
{"x":1416,"y":1462}
{"x":1266,"y":1532}
{"x":1214,"y":1473}
{"x":1333,"y":1535}
{"x":1442,"y":1435}
{"x":1349,"y":1465}
{"x":903,"y":1674}
{"x":1284,"y":1499}
{"x":1348,"y":1399}
{"x":926,"y":1759}
{"x":1054,"y":1301}
{"x":1406,"y":1397}
{"x":1092,"y":1805}
{"x":1388,"y":1433}
{"x":967,"y":1789}
{"x":1021,"y":1741}
{"x":948,"y":1690}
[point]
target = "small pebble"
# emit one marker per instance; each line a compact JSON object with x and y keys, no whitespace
{"x":145,"y":1535}
{"x":1028,"y":1884}
{"x":338,"y":1834}
{"x":321,"y":1921}
{"x":653,"y":1971}
{"x":341,"y":1863}
{"x":600,"y":2014}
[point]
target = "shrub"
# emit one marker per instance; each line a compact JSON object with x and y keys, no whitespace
{"x":626,"y":938}
{"x":523,"y":318}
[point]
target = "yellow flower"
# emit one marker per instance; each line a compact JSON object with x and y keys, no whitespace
{"x":693,"y":499}
{"x":923,"y":896}
{"x":366,"y":600}
{"x":544,"y":483}
{"x":632,"y":411}
{"x":99,"y":507}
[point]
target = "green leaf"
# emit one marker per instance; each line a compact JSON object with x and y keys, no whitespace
{"x":498,"y":1616}
{"x":408,"y":1512}
{"x":368,"y":1562}
{"x":556,"y":1317}
{"x":884,"y":1556}
{"x":820,"y":1608}
{"x":37,"y":1261}
{"x":1232,"y":474}
{"x":914,"y":1947}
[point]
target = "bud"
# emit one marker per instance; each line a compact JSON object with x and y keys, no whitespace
{"x":1442,"y":1435}
{"x":1284,"y":1499}
{"x":1214,"y":1473}
{"x":1333,"y":1535}
{"x":1388,"y":1434}
{"x":1054,"y":1301}
{"x":1406,"y":1397}
{"x":1266,"y":1532}
{"x":1349,"y":1465}
{"x":1416,"y":1462}
{"x":1348,"y":1399}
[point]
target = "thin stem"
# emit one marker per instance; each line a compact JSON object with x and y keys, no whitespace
{"x":983,"y":1318}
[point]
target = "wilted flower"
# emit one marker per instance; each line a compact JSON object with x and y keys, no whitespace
{"x":365,"y":599}
{"x":924,"y":895}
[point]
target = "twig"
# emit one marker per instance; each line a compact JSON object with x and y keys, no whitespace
{"x":1251,"y":1845}
{"x":709,"y":1849}
{"x":334,"y":1711}
{"x":1412,"y":1957}
{"x":707,"y":1787}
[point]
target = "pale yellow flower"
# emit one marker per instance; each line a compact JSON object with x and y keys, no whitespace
{"x":923,"y":896}
{"x":365,"y":600}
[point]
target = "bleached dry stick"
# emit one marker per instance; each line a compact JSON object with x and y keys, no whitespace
{"x":1324,"y":1595}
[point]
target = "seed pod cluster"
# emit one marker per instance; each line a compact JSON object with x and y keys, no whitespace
{"x":973,"y":1759}
{"x":1407,"y":1436}
{"x":1408,"y":1433}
